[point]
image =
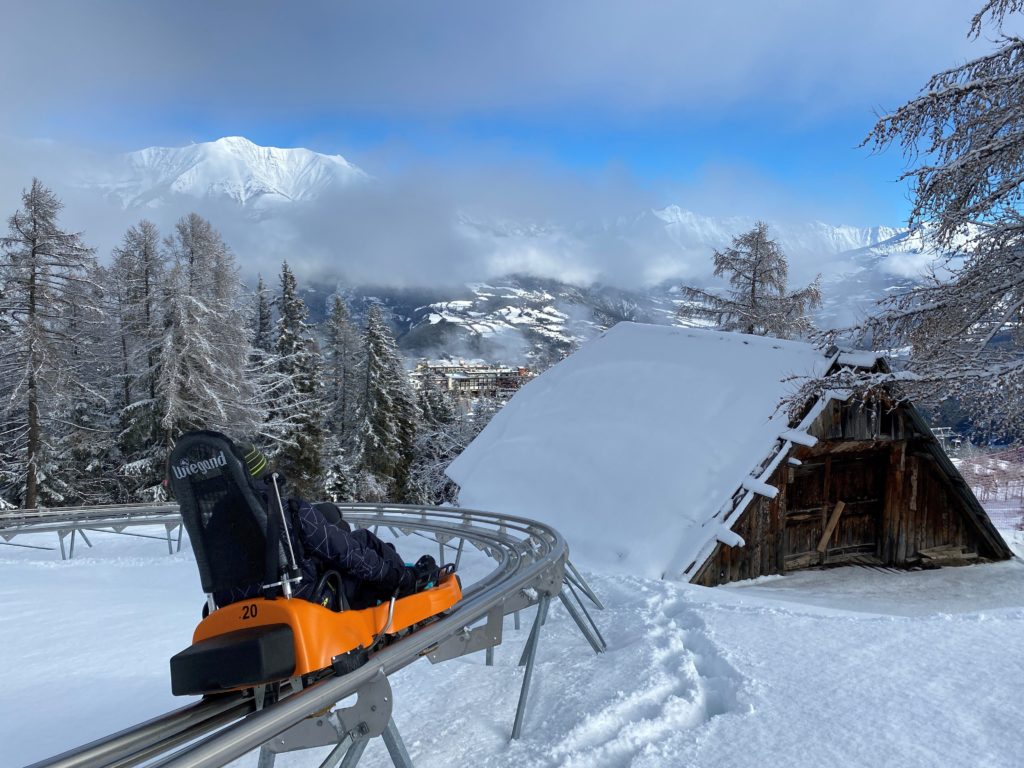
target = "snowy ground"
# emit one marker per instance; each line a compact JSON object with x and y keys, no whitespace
{"x":840,"y":667}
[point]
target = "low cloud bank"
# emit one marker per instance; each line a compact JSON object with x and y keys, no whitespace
{"x":437,"y":227}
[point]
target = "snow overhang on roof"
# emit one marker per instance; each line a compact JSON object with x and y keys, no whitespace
{"x":644,"y":447}
{"x":858,"y":359}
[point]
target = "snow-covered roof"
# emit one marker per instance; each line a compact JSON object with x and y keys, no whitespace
{"x":634,"y":446}
{"x":859,"y":358}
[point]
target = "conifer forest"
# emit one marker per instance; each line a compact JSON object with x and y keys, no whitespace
{"x":102,"y":366}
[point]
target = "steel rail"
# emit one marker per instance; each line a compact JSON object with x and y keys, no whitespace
{"x":528,"y":555}
{"x":18,"y":517}
{"x":63,"y":520}
{"x":56,"y":526}
{"x":77,"y":520}
{"x":194,"y":720}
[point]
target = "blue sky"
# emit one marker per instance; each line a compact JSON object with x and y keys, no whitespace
{"x":752,"y":108}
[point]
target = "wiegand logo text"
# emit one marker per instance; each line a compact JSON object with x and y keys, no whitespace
{"x":186,"y":467}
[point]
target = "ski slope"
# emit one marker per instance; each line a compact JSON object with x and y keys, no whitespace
{"x":847,"y":666}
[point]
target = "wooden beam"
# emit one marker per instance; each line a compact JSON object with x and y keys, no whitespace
{"x":831,"y":526}
{"x":794,"y":562}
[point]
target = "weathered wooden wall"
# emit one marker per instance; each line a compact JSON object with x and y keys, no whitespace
{"x":873,"y":420}
{"x":761,"y":527}
{"x":920,"y":511}
{"x":856,"y":479}
{"x":898,"y":501}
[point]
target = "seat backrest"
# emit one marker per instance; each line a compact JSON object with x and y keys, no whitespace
{"x":236,"y":545}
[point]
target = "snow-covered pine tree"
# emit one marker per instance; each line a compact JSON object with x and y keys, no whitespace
{"x":300,"y":452}
{"x":437,"y":408}
{"x":387,"y":428}
{"x":442,"y":437}
{"x":135,"y":287}
{"x":759,"y":301}
{"x":342,"y":352}
{"x":262,"y":321}
{"x":273,"y":396}
{"x":204,"y":348}
{"x":965,"y":332}
{"x":45,"y":270}
{"x":439,"y":443}
{"x":342,"y":365}
{"x":8,"y":425}
{"x":85,"y":456}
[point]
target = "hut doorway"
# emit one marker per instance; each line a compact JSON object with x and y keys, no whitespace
{"x":834,"y":509}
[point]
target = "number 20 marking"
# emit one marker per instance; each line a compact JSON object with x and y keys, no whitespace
{"x":249,"y":611}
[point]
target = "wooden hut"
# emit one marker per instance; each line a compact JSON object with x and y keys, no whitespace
{"x":875,"y":488}
{"x":676,"y":436}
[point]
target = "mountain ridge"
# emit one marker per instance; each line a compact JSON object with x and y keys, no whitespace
{"x":532,"y":287}
{"x":231,"y":167}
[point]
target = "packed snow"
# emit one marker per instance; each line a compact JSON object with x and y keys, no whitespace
{"x":667,"y":421}
{"x":842,"y":667}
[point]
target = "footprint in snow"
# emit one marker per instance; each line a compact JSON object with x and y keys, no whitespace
{"x":681,"y":682}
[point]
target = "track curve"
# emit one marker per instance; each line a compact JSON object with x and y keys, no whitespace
{"x":530,"y":561}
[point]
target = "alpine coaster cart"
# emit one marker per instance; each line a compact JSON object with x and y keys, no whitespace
{"x":277,"y":644}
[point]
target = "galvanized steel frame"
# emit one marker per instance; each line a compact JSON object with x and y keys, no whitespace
{"x":75,"y":521}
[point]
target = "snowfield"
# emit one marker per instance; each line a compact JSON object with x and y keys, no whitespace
{"x":841,"y":667}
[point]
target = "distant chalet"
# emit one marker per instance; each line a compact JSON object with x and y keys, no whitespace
{"x":468,"y":380}
{"x":664,"y":452}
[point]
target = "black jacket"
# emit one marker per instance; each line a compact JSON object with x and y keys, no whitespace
{"x":371,"y":570}
{"x":357,"y":555}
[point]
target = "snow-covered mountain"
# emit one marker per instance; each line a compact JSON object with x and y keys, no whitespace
{"x":689,"y":229}
{"x":235,"y":169}
{"x":520,"y":319}
{"x":231,"y":168}
{"x":532,"y":288}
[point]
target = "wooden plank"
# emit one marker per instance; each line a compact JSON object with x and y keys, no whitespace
{"x":827,"y":481}
{"x":707,"y":575}
{"x":854,"y":558}
{"x":890,"y":509}
{"x":794,"y":562}
{"x":778,"y":537}
{"x":946,"y":555}
{"x":904,"y":541}
{"x":814,"y":513}
{"x":830,"y":527}
{"x":895,"y":521}
{"x":914,"y":469}
{"x":754,"y":546}
{"x":948,"y":550}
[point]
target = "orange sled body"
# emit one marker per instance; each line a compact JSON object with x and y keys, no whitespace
{"x":262,"y":641}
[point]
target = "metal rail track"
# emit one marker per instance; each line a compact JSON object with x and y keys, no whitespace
{"x":75,"y":521}
{"x":531,"y":567}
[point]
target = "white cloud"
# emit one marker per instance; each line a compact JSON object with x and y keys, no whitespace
{"x":621,"y":58}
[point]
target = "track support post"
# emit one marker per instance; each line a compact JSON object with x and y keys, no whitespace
{"x":529,"y":657}
{"x":348,"y":730}
{"x":577,"y":610}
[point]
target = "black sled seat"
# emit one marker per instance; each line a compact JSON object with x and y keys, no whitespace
{"x":240,"y":546}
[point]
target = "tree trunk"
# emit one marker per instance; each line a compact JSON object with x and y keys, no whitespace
{"x":34,"y":437}
{"x":126,"y":392}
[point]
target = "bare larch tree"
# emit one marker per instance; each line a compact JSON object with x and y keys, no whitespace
{"x":758,"y":302}
{"x":965,"y":136}
{"x":44,"y":271}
